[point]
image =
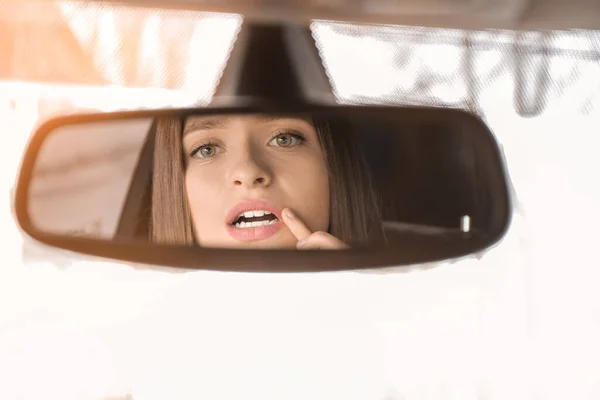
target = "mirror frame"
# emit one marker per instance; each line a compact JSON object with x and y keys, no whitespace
{"x":198,"y":258}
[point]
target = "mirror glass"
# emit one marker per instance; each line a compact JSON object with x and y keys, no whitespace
{"x":268,"y":181}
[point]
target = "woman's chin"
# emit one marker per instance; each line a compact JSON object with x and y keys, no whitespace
{"x":272,"y":243}
{"x":267,"y":246}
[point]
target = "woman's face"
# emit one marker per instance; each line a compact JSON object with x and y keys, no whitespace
{"x":241,"y":171}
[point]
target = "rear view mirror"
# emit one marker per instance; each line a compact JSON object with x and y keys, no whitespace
{"x":210,"y":188}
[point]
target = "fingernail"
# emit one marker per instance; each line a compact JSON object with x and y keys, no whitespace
{"x":290,"y":214}
{"x":301,"y":243}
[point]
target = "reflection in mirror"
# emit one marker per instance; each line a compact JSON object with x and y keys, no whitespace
{"x":82,"y":176}
{"x":264,"y":181}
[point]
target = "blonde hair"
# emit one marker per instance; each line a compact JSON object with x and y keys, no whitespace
{"x":171,"y":218}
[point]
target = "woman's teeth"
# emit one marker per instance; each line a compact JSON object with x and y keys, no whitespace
{"x":258,"y":218}
{"x":255,"y":223}
{"x":254,"y":213}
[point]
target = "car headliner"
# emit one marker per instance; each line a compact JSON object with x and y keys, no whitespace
{"x":459,"y":14}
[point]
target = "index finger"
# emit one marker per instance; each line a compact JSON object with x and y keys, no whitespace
{"x":296,"y":225}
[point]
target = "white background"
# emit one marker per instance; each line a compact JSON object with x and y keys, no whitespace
{"x":522,"y":322}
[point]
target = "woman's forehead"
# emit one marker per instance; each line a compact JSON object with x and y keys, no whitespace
{"x":202,"y":122}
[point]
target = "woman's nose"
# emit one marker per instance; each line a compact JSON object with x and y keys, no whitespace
{"x":249,"y":173}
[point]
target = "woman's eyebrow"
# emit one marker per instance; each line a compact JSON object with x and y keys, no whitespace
{"x":270,"y":118}
{"x":194,"y":125}
{"x":203,"y":124}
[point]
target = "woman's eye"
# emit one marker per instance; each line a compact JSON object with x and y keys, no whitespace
{"x":286,"y":140}
{"x":205,"y":151}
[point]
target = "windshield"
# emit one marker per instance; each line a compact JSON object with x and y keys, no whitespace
{"x":76,"y":328}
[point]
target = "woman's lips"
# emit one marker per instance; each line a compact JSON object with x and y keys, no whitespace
{"x":257,"y":232}
{"x":254,"y":233}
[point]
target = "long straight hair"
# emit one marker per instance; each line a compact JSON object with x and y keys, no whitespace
{"x":355,"y":216}
{"x":171,"y":221}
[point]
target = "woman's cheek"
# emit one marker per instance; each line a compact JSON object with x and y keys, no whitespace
{"x":200,"y":188}
{"x":306,"y":183}
{"x":192,"y":179}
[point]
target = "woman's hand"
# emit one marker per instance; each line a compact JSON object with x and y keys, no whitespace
{"x":308,"y":240}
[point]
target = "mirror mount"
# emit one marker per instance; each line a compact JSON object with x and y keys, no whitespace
{"x":275,"y":63}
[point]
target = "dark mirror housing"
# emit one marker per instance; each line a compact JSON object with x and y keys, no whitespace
{"x":437,"y":177}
